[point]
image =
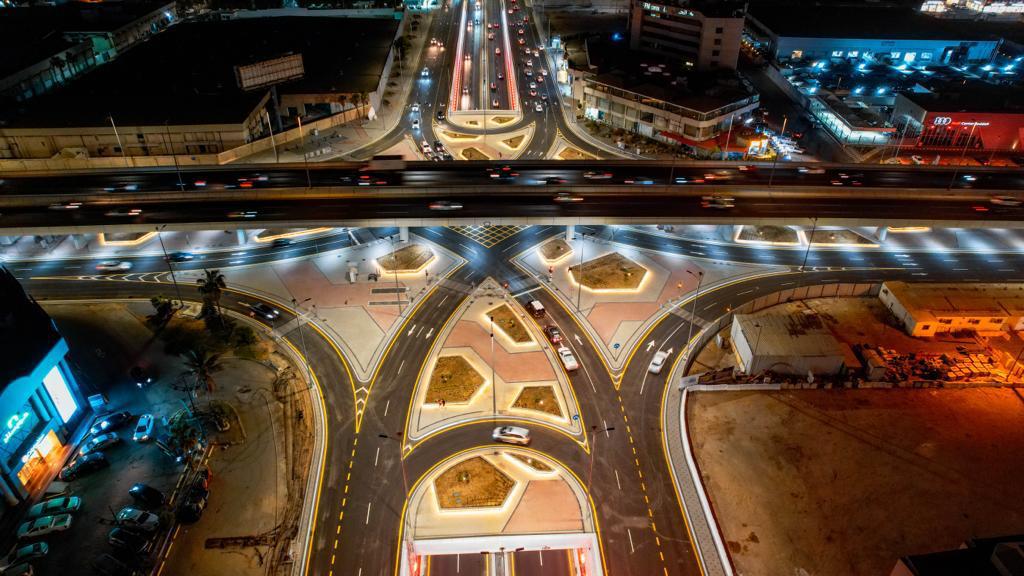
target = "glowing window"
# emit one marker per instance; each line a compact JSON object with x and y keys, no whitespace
{"x":61,"y":395}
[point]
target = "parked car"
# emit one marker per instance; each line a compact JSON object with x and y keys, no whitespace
{"x":62,"y":505}
{"x":84,"y":465}
{"x":25,"y":553}
{"x":142,"y":376}
{"x":553,"y":333}
{"x":130,"y":517}
{"x":144,"y":428}
{"x":511,"y":435}
{"x":107,"y":565}
{"x":99,"y":443}
{"x":128,"y":541}
{"x":191,"y":507}
{"x":568,"y":360}
{"x":146,"y":496}
{"x":658,"y":362}
{"x":23,"y":569}
{"x":43,"y":526}
{"x":110,"y":422}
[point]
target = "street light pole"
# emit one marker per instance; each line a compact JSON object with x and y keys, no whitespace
{"x":305,"y":157}
{"x":394,"y":264}
{"x":302,"y":337}
{"x":757,"y":343}
{"x":725,"y":150}
{"x":579,"y":283}
{"x":272,"y":142}
{"x":170,"y":148}
{"x":974,"y":124}
{"x":693,"y":310}
{"x":494,"y":383}
{"x":167,"y":259}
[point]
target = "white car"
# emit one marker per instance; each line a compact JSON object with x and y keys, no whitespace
{"x":134,"y":518}
{"x":113,"y":266}
{"x":533,"y":85}
{"x":511,"y":435}
{"x":658,"y":362}
{"x":425,"y":147}
{"x":144,"y":428}
{"x":538,"y":108}
{"x":44,"y":525}
{"x":568,"y":360}
{"x":62,"y":505}
{"x":415,"y":108}
{"x":1005,"y":201}
{"x":415,"y":123}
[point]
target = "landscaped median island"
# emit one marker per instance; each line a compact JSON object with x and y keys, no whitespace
{"x":840,"y":237}
{"x":772,"y":234}
{"x":531,"y":462}
{"x":472,"y":483}
{"x":453,"y":380}
{"x":555,"y":250}
{"x":539,"y":398}
{"x":411,"y":258}
{"x":612,"y":271}
{"x":514,"y":141}
{"x":473,"y":154}
{"x":506,"y":320}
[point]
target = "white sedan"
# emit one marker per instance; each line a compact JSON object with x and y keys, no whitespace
{"x":658,"y":362}
{"x":44,"y":525}
{"x":144,"y":428}
{"x":113,"y":266}
{"x":568,"y":360}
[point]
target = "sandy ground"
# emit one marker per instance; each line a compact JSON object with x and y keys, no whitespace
{"x":844,"y":482}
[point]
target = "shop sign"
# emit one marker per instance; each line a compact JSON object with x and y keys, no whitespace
{"x":14,"y":423}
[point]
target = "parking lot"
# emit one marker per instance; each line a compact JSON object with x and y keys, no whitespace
{"x":105,"y":341}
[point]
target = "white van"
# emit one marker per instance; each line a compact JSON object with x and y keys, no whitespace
{"x":536,"y":308}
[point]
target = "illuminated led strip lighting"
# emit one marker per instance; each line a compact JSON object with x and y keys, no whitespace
{"x":457,"y":70}
{"x":510,"y":76}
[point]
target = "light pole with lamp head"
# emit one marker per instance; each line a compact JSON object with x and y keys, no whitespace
{"x":302,"y":336}
{"x":693,"y":309}
{"x":305,"y":157}
{"x":494,"y":383}
{"x":167,"y":259}
{"x":579,"y":283}
{"x":970,"y":136}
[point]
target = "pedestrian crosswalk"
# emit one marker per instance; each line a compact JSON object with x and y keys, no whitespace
{"x":488,"y":236}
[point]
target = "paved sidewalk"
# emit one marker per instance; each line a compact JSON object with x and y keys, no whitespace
{"x":360,"y":316}
{"x":349,"y":139}
{"x":616,"y":319}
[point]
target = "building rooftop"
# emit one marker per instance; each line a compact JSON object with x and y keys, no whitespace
{"x":981,"y":97}
{"x":951,"y":300}
{"x":186,"y":74}
{"x":709,"y":8}
{"x":818,"y":20}
{"x":977,"y":557}
{"x":26,"y":332}
{"x":793,"y":333}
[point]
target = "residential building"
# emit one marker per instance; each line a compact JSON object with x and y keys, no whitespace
{"x":698,"y":34}
{"x":209,"y":86}
{"x":47,"y":46}
{"x":41,"y":405}
{"x":926,"y":309}
{"x":806,"y":31}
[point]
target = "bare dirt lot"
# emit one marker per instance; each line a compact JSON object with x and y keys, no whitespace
{"x":844,"y":482}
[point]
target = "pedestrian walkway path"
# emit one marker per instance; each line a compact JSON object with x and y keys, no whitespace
{"x":468,"y":375}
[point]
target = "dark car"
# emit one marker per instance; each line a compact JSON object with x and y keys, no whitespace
{"x":142,"y":376}
{"x":281,"y":243}
{"x":128,"y":541}
{"x":83,"y":465}
{"x":146,"y":496}
{"x":192,"y":505}
{"x":107,"y":565}
{"x":265,"y":311}
{"x":180,"y":256}
{"x":553,"y":334}
{"x":111,"y":422}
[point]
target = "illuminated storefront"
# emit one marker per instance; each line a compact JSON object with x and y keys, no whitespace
{"x":40,"y":404}
{"x":966,"y":121}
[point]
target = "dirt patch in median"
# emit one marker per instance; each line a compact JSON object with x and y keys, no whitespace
{"x":407,"y":259}
{"x":514,"y":141}
{"x":610,"y":272}
{"x":473,"y":483}
{"x":506,"y":320}
{"x":473,"y":154}
{"x":555,"y":250}
{"x":453,"y":380}
{"x":539,"y":398}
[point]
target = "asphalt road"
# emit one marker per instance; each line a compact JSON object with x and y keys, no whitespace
{"x":642,"y":531}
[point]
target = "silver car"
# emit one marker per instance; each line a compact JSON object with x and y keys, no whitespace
{"x":511,"y":435}
{"x":140,"y":519}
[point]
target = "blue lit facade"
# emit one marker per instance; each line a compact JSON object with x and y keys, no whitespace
{"x":40,"y":403}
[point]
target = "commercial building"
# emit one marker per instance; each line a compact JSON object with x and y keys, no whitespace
{"x":925,"y":310}
{"x":40,"y":402}
{"x":47,"y":46}
{"x":207,"y":87}
{"x":634,"y":92}
{"x":970,"y":117}
{"x":1000,"y":556}
{"x":700,"y":34}
{"x":803,"y":30}
{"x":787,"y":341}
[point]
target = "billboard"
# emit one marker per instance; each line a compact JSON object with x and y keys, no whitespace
{"x":269,"y":72}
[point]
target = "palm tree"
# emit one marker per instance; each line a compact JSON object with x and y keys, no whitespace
{"x":203,"y":364}
{"x":211,"y":288}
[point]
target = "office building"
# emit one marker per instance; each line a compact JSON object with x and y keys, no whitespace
{"x":40,"y":403}
{"x":696,"y":34}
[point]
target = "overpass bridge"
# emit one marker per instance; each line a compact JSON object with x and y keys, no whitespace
{"x":465,"y":193}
